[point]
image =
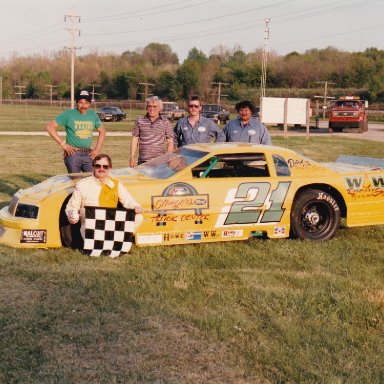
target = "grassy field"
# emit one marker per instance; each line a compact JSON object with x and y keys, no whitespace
{"x":35,"y":118}
{"x":262,"y":311}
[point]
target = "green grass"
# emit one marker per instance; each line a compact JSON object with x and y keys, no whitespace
{"x":35,"y":118}
{"x":262,"y":311}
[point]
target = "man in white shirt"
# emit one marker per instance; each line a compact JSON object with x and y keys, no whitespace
{"x":100,"y":190}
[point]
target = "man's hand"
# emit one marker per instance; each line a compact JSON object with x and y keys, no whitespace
{"x":139,"y":209}
{"x":68,"y":149}
{"x":94,"y":153}
{"x":132,"y":162}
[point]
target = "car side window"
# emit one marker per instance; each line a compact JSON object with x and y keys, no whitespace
{"x":233,"y":165}
{"x":281,"y":166}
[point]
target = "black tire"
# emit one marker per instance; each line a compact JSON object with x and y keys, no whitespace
{"x":315,"y":215}
{"x":69,"y":233}
{"x":360,"y":129}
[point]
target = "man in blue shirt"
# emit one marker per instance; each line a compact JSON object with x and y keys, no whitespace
{"x":196,"y":128}
{"x":245,"y":128}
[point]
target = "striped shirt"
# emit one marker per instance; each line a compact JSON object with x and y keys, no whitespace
{"x":152,"y":136}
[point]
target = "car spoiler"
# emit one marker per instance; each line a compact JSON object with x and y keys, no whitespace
{"x":359,"y":160}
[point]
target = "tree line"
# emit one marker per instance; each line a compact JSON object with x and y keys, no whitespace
{"x":121,"y":76}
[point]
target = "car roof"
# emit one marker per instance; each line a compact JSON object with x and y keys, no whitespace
{"x":239,"y":148}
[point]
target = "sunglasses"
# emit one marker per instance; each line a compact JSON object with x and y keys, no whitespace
{"x":193,"y":106}
{"x":99,"y":166}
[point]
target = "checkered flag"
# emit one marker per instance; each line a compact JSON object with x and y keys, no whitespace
{"x":108,"y":230}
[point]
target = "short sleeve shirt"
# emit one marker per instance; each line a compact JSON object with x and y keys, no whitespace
{"x":152,"y":136}
{"x":79,"y":127}
{"x":253,"y":132}
{"x":204,"y":131}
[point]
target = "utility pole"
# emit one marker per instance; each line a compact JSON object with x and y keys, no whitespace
{"x":50,"y":93}
{"x":325,"y":97}
{"x":219,"y":95}
{"x":1,"y":90}
{"x":264,"y":60}
{"x":146,"y":90}
{"x":74,"y":32}
{"x":93,"y":93}
{"x":20,"y":88}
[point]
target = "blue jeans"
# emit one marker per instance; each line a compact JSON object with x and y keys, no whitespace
{"x":79,"y":162}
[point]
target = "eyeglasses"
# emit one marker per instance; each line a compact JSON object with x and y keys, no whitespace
{"x":99,"y":166}
{"x":193,"y":106}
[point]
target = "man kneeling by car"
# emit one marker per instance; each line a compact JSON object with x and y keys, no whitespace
{"x":100,"y":190}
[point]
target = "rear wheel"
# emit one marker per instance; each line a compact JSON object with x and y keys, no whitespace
{"x":315,"y":215}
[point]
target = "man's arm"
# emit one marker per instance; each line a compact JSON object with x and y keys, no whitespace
{"x":99,"y":143}
{"x":132,"y":159}
{"x":73,"y":207}
{"x":218,"y":133}
{"x":176,"y":133}
{"x":170,"y":146}
{"x":127,"y":200}
{"x":52,"y":130}
{"x":169,"y":136}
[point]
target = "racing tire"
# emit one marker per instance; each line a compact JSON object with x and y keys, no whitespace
{"x":69,"y":233}
{"x":360,"y":129}
{"x":315,"y":215}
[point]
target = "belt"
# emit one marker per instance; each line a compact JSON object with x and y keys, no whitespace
{"x":82,"y":149}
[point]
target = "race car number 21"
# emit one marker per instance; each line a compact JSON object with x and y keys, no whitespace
{"x":253,"y":203}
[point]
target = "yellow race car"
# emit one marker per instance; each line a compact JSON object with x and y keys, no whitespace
{"x":216,"y":192}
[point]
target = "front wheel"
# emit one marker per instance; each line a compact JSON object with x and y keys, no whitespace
{"x":315,"y":215}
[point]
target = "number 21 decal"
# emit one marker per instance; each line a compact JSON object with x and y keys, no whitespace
{"x":254,"y":203}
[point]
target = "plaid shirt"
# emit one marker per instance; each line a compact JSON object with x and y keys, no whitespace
{"x":152,"y":136}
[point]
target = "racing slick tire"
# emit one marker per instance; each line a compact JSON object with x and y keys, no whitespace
{"x":69,"y":233}
{"x":315,"y":215}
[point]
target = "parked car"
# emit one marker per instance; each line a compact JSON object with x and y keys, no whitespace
{"x":216,"y":192}
{"x":111,"y":114}
{"x":215,"y":112}
{"x":172,"y":111}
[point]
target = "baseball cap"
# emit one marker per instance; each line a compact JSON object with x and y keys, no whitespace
{"x":83,"y":94}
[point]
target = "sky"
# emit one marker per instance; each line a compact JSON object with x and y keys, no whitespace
{"x":31,"y":27}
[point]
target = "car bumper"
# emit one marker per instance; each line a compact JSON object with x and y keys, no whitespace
{"x":21,"y":232}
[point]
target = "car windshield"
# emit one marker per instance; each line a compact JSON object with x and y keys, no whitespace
{"x":211,"y":108}
{"x":165,"y":166}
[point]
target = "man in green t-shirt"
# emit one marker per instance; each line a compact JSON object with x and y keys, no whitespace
{"x":79,"y":124}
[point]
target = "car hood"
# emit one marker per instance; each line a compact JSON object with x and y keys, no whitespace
{"x":59,"y":183}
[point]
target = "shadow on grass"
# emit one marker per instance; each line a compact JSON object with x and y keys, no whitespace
{"x":9,"y":185}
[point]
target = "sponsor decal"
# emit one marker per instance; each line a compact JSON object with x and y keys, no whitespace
{"x":294,"y":163}
{"x":174,"y":218}
{"x":193,"y":236}
{"x":160,"y":203}
{"x":201,"y":129}
{"x":33,"y":236}
{"x":173,"y":236}
{"x":366,"y":193}
{"x":149,"y":239}
{"x":232,"y":233}
{"x":279,"y":230}
{"x":377,"y":181}
{"x":211,"y":234}
{"x":355,"y":183}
